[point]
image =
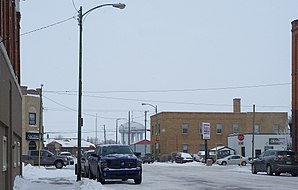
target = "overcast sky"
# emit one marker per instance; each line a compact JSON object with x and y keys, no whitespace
{"x":190,"y":55}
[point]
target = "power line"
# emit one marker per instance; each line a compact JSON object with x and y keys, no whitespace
{"x":74,"y":6}
{"x":174,"y":102}
{"x":173,"y":90}
{"x":48,"y":26}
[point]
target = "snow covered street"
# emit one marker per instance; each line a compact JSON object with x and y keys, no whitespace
{"x":160,"y":176}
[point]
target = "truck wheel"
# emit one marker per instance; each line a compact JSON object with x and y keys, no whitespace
{"x":138,"y":180}
{"x":59,"y":164}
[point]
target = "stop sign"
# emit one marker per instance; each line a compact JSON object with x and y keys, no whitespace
{"x":240,"y":137}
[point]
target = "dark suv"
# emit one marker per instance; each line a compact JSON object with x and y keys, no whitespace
{"x":114,"y":161}
{"x":277,"y":162}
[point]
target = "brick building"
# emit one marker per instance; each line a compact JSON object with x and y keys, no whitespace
{"x":32,"y":125}
{"x":10,"y":94}
{"x":294,"y":127}
{"x":181,"y":131}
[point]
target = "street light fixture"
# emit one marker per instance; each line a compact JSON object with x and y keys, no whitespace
{"x":156,"y":125}
{"x":80,"y":119}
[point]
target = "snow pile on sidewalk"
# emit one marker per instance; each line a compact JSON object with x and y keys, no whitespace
{"x":50,"y":178}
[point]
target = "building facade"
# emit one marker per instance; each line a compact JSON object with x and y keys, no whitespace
{"x":32,"y":117}
{"x":262,"y":142}
{"x":67,"y":145}
{"x":182,"y":131}
{"x":10,"y":94}
{"x":294,"y":127}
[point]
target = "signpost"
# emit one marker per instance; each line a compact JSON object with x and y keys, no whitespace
{"x":240,"y":139}
{"x":206,"y":136}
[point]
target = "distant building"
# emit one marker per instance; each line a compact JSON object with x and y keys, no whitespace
{"x":141,"y":147}
{"x":67,"y":145}
{"x":32,"y":125}
{"x":131,"y":132}
{"x":263,"y":141}
{"x":182,"y":131}
{"x":10,"y":94}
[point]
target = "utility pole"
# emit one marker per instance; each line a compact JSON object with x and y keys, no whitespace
{"x":146,"y":132}
{"x":128,"y":128}
{"x":104,"y":133}
{"x":96,"y":130}
{"x":40,"y":123}
{"x":253,"y":133}
{"x":117,"y":130}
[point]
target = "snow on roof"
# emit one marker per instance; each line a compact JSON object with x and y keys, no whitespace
{"x":69,"y":142}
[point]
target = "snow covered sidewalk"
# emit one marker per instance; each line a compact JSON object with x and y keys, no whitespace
{"x":42,"y":178}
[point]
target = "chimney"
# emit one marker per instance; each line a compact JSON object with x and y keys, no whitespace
{"x":236,"y":105}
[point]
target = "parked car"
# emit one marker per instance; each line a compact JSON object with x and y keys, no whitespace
{"x":277,"y":162}
{"x":47,"y":158}
{"x":85,"y":163}
{"x":200,"y":156}
{"x":183,"y":157}
{"x":70,"y":160}
{"x":148,"y":158}
{"x":115,"y":161}
{"x":233,"y":160}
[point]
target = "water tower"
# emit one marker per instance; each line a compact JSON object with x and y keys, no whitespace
{"x":135,"y":130}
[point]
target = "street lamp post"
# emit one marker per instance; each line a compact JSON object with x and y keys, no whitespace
{"x":146,"y":132}
{"x":80,"y":119}
{"x":156,"y":125}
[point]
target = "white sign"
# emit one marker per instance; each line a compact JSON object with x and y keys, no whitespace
{"x":206,"y":130}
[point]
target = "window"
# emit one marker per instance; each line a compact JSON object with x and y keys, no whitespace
{"x":157,"y":129}
{"x":32,"y":145}
{"x":257,"y":128}
{"x":268,"y":148}
{"x":218,"y":128}
{"x":4,"y":148}
{"x":200,"y":129}
{"x":32,"y":118}
{"x":202,"y":147}
{"x":185,"y":128}
{"x":276,"y":128}
{"x":185,"y":147}
{"x":235,"y":128}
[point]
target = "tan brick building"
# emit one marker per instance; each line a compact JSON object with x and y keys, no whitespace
{"x":32,"y":125}
{"x":181,"y":131}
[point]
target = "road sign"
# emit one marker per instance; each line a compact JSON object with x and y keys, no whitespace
{"x":206,"y":130}
{"x":240,"y":137}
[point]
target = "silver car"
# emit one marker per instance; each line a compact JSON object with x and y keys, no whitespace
{"x":233,"y":160}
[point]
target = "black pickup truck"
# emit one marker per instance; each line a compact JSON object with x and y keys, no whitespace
{"x":114,"y":161}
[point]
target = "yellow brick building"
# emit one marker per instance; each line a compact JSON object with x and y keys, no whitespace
{"x":181,"y":131}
